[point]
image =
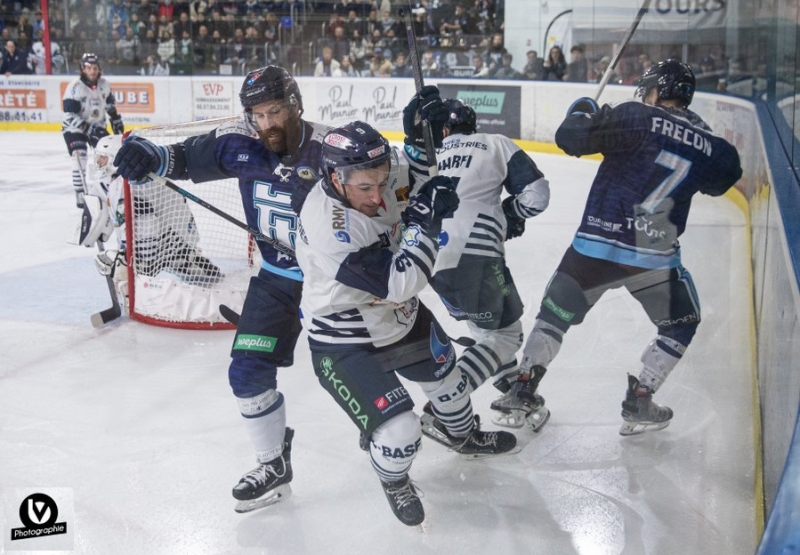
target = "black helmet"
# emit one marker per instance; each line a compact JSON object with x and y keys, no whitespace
{"x":673,"y":80}
{"x":89,"y":58}
{"x":269,"y":83}
{"x":462,"y":118}
{"x":355,"y":146}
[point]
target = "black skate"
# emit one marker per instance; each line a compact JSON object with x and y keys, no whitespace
{"x":521,"y":404}
{"x":268,"y":483}
{"x":194,"y":268}
{"x":640,"y":413}
{"x":477,"y":445}
{"x":404,"y":501}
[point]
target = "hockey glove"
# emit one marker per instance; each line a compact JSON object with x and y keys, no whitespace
{"x":116,"y":123}
{"x":96,"y":132}
{"x":436,"y":200}
{"x":138,"y":157}
{"x":583,"y":105}
{"x":515,"y":226}
{"x":425,"y":105}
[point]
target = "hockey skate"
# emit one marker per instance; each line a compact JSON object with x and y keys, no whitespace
{"x":640,"y":413}
{"x":476,"y":445}
{"x":521,"y":404}
{"x":268,"y":483}
{"x":404,"y":500}
{"x":194,"y":268}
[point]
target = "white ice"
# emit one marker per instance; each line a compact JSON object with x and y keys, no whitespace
{"x":140,"y":423}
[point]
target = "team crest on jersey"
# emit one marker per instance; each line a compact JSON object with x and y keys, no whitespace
{"x":283,"y":172}
{"x":342,"y":236}
{"x":306,"y":173}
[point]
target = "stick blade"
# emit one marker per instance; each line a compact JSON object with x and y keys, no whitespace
{"x":101,"y":318}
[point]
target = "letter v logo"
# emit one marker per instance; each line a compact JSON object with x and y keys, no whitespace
{"x":38,"y":511}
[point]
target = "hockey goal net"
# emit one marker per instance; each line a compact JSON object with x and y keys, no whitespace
{"x":183,"y":260}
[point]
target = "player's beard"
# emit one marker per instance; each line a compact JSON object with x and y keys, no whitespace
{"x":274,"y":139}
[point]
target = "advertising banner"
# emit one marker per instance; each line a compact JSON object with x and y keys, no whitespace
{"x":497,"y":107}
{"x":212,"y":99}
{"x":23,"y":100}
{"x":378,"y":102}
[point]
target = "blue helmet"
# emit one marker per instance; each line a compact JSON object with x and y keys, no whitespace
{"x":673,"y":80}
{"x":355,"y":146}
{"x":462,"y":118}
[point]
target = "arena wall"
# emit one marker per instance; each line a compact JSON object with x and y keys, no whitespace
{"x":531,"y":111}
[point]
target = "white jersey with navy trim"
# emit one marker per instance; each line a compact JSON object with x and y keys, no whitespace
{"x":361,"y":273}
{"x":482,"y":165}
{"x":85,"y":104}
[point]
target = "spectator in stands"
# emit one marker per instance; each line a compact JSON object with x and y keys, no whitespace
{"x":601,"y":68}
{"x":164,"y":24}
{"x":15,"y":60}
{"x":272,"y":45}
{"x":555,"y":66}
{"x":493,"y":57}
{"x":358,"y":49}
{"x":578,"y":68}
{"x":335,"y":21}
{"x":479,"y":69}
{"x":166,"y":8}
{"x":183,"y":24}
{"x":146,"y":9}
{"x":36,"y":57}
{"x":707,"y":78}
{"x":340,"y":44}
{"x":327,"y":66}
{"x":355,"y":23}
{"x":167,"y":47}
{"x":534,"y":68}
{"x":460,"y":55}
{"x":136,"y":25}
{"x":38,"y":24}
{"x":402,"y":67}
{"x":506,"y":71}
{"x":347,"y":69}
{"x":736,"y":80}
{"x":429,"y":65}
{"x":128,"y":52}
{"x":148,"y":44}
{"x":219,"y":47}
{"x":117,"y":10}
{"x":203,"y":51}
{"x":155,"y":66}
{"x":380,"y":66}
{"x":118,"y":26}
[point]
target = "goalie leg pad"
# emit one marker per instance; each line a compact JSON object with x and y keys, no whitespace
{"x":394,"y":445}
{"x":95,"y":224}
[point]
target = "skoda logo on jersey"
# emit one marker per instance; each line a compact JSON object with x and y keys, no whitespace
{"x":411,"y":237}
{"x":444,"y":238}
{"x":342,"y":236}
{"x":306,"y":173}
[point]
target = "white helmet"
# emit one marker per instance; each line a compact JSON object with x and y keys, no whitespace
{"x":104,"y":154}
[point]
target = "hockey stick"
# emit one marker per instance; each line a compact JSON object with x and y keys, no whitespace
{"x":277,"y":245}
{"x":114,"y":311}
{"x":430,"y":149}
{"x":622,"y":45}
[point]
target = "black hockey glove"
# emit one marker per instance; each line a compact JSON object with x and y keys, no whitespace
{"x":116,"y":124}
{"x":583,"y":105}
{"x":437,"y":199}
{"x":138,"y":157}
{"x":515,"y":226}
{"x":425,"y":105}
{"x":96,"y":132}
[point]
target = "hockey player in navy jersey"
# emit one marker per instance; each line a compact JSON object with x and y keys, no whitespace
{"x":471,"y":275}
{"x":274,"y":154}
{"x":86,"y":102}
{"x":364,"y":321}
{"x":656,"y":155}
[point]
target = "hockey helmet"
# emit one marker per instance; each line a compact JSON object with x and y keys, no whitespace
{"x":462,"y":118}
{"x":355,"y":146}
{"x":104,"y":154}
{"x":269,"y":83}
{"x":673,"y":80}
{"x":89,"y":58}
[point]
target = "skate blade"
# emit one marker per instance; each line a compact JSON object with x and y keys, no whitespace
{"x":509,"y":418}
{"x":479,"y":456}
{"x":537,"y":419}
{"x":430,"y":431}
{"x":276,"y":495}
{"x":636,"y":428}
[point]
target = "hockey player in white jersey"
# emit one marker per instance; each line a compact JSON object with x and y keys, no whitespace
{"x":364,"y":321}
{"x":471,"y":276}
{"x":161,"y":245}
{"x":86,"y":101}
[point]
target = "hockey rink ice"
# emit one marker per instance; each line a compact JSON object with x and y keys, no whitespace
{"x":138,"y":422}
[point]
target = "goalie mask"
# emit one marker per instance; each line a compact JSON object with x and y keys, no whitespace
{"x":104,"y":154}
{"x":673,"y":80}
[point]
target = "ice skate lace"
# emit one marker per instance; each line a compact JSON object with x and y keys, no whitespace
{"x":260,"y":476}
{"x":483,"y":439}
{"x":404,"y":494}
